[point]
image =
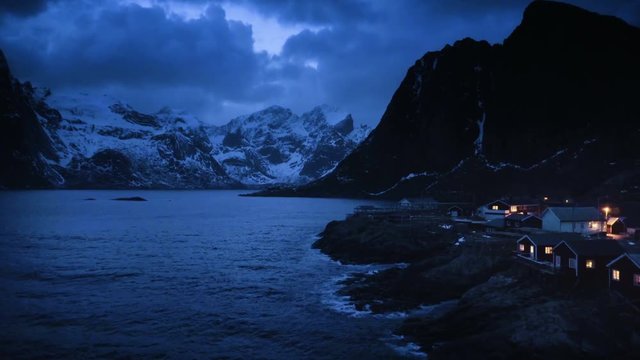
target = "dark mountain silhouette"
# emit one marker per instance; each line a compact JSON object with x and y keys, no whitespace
{"x":554,"y":109}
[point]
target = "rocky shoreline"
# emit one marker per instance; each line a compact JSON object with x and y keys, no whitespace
{"x":492,"y":305}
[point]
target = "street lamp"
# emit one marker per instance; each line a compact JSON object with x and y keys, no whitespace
{"x":606,"y":210}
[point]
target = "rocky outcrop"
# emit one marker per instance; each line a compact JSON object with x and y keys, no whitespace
{"x":26,"y":152}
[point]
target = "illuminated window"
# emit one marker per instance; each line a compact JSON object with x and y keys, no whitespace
{"x":548,"y":250}
{"x":590,"y":264}
{"x":636,"y":279}
{"x":531,"y":250}
{"x":521,"y":247}
{"x":514,"y":209}
{"x":615,"y":275}
{"x":572,"y":263}
{"x":494,"y":207}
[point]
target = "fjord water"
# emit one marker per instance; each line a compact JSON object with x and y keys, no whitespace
{"x":186,"y":274}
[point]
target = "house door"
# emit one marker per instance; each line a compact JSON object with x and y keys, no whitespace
{"x":558,"y":261}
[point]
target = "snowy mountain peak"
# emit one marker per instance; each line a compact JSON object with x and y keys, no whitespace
{"x":275,"y":145}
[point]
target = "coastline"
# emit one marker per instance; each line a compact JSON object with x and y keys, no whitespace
{"x":466,"y":296}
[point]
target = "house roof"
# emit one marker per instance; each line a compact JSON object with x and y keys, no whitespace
{"x":496,"y":223}
{"x":573,"y":214}
{"x":635,"y":258}
{"x":520,"y":217}
{"x":496,"y":202}
{"x":612,"y":220}
{"x":594,"y":247}
{"x":551,"y":239}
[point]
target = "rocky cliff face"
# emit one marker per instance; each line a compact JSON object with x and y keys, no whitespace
{"x":25,"y":149}
{"x":277,"y":146}
{"x":552,"y":109}
{"x":84,"y":142}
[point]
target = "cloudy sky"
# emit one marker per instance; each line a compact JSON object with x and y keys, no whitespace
{"x":220,"y":59}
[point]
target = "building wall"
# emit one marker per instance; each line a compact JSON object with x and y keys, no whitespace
{"x":550,"y":222}
{"x":582,"y":227}
{"x":527,"y":247}
{"x":599,"y":273}
{"x":625,"y":286}
{"x":565,"y":254}
{"x":541,"y":256}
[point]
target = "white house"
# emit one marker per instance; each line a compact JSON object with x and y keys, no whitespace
{"x":494,"y":210}
{"x":582,"y":220}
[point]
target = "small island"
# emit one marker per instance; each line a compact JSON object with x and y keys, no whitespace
{"x":469,"y":290}
{"x":132,"y":198}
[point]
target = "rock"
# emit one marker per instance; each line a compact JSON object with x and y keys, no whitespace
{"x":133,"y":198}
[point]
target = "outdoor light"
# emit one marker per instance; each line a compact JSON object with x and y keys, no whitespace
{"x":606,"y":210}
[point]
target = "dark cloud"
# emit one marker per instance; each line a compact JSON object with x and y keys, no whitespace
{"x":22,"y":7}
{"x":314,"y":12}
{"x":353,"y":54}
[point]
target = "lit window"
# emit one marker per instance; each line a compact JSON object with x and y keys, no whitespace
{"x":636,"y":279}
{"x":494,"y":207}
{"x":521,"y":247}
{"x":590,"y":264}
{"x":572,"y":263}
{"x":531,"y":250}
{"x":548,"y":250}
{"x":615,"y":275}
{"x":514,"y":209}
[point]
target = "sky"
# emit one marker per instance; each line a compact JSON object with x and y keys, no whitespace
{"x":221,"y":59}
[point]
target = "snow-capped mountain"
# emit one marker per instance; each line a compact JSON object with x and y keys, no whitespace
{"x":51,"y":140}
{"x":277,"y":146}
{"x":88,"y":141}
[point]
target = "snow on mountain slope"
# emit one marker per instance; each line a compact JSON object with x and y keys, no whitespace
{"x":99,"y":142}
{"x":104,"y":143}
{"x":275,"y":145}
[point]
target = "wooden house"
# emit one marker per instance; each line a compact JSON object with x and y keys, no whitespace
{"x":539,"y":247}
{"x":494,"y":210}
{"x":585,"y":259}
{"x":624,"y":275}
{"x":616,"y":225}
{"x":524,"y":206}
{"x":523,"y":220}
{"x":583,"y":220}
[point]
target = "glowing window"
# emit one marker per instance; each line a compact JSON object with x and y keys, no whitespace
{"x":494,"y":207}
{"x":636,"y":279}
{"x":548,"y":250}
{"x":521,"y":247}
{"x":590,"y":264}
{"x":514,"y":209}
{"x":531,"y":250}
{"x":615,"y":275}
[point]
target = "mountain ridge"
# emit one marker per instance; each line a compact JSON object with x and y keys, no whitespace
{"x":490,"y":120}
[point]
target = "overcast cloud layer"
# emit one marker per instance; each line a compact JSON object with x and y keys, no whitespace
{"x":223,"y":59}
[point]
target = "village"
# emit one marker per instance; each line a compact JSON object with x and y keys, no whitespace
{"x":587,"y":246}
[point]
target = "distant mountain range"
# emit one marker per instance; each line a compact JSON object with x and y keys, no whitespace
{"x":277,"y":146}
{"x":552,"y":110}
{"x":55,"y":141}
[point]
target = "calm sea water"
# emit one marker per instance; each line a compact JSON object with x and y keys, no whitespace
{"x":187,"y":274}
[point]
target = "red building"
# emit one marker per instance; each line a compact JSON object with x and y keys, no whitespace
{"x":624,"y":275}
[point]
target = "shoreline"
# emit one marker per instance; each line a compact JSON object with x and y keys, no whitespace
{"x":472,"y":299}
